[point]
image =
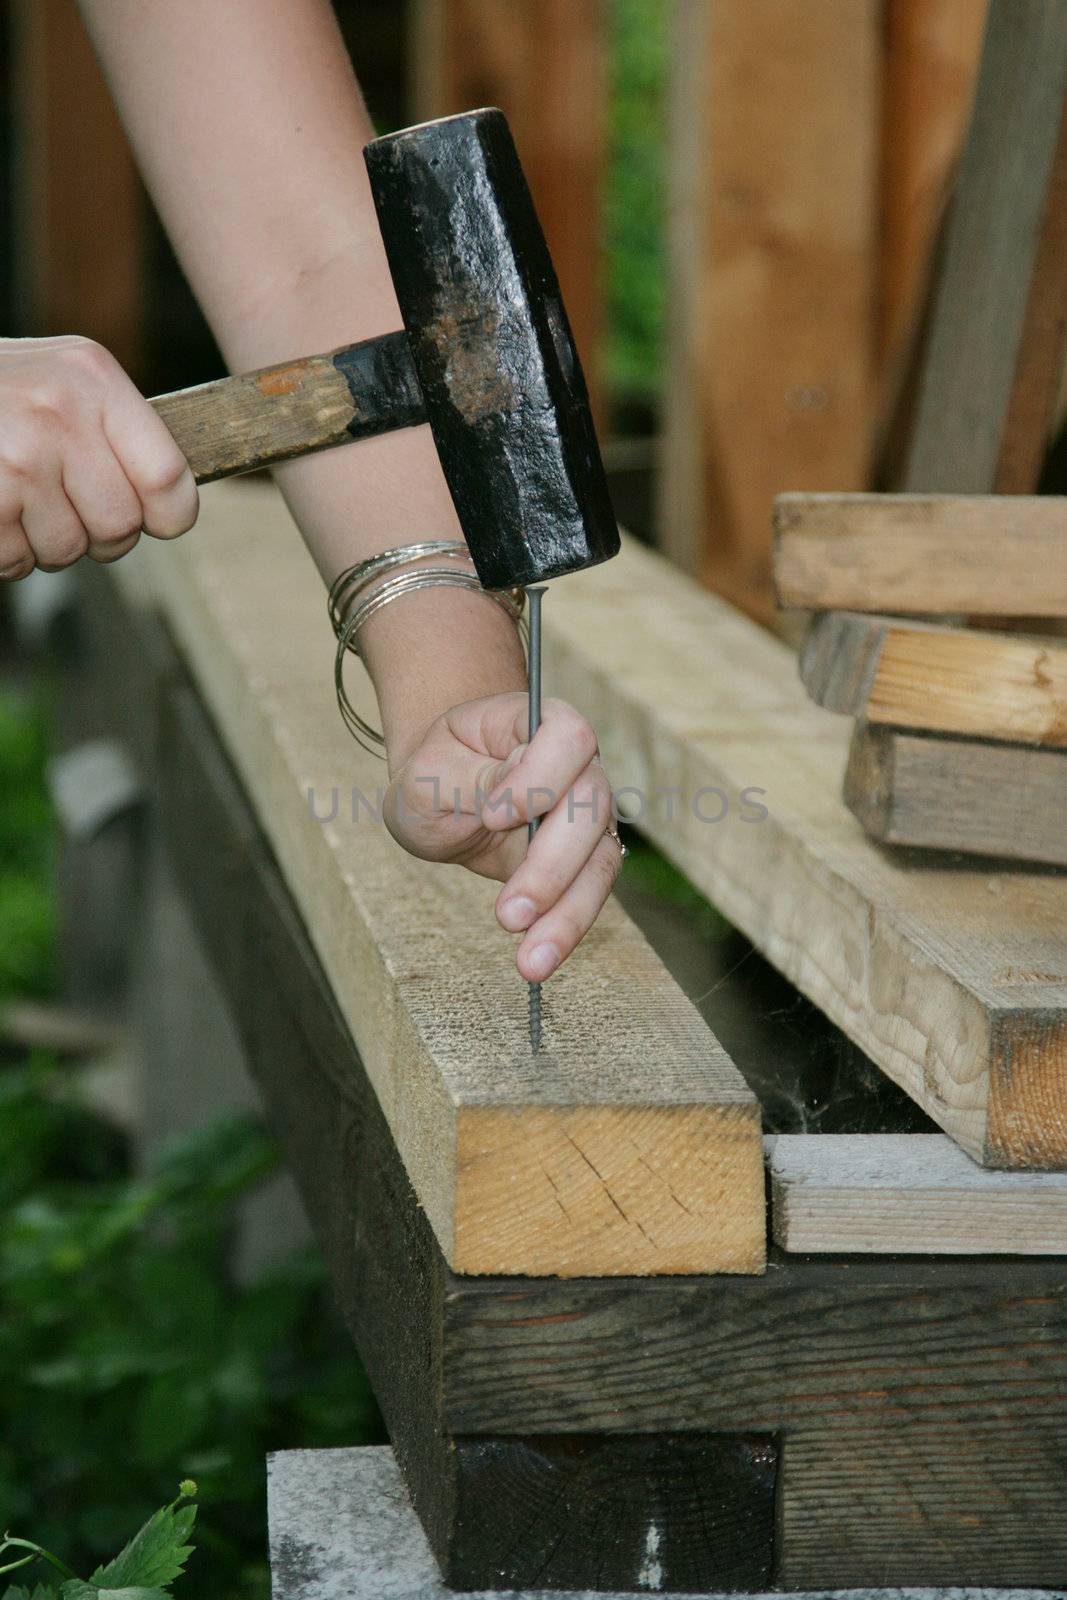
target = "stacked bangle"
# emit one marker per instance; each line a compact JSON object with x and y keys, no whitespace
{"x":358,"y":592}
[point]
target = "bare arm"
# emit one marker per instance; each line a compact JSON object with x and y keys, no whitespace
{"x":248,"y":126}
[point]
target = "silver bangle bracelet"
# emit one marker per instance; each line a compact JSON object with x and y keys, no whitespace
{"x":360,"y":591}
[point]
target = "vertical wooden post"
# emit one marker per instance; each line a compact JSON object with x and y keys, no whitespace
{"x":932,"y":51}
{"x":543,"y":62}
{"x":78,"y":200}
{"x":783,"y":331}
{"x":681,"y":511}
{"x":997,"y":331}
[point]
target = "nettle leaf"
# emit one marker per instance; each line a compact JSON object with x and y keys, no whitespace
{"x":75,"y":1589}
{"x":41,"y":1592}
{"x":154,"y":1557}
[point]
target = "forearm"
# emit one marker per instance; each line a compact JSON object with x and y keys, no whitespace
{"x":248,"y":126}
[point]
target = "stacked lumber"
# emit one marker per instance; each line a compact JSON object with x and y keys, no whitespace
{"x":960,"y":741}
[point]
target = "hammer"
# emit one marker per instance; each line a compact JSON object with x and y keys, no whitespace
{"x":485,"y":357}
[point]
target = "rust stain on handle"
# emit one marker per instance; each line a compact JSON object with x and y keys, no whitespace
{"x":282,"y":380}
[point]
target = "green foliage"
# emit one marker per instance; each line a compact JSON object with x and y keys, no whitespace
{"x":143,"y":1570}
{"x":635,"y":211}
{"x":126,"y":1350}
{"x":157,"y":1554}
{"x":653,"y":874}
{"x":26,"y":914}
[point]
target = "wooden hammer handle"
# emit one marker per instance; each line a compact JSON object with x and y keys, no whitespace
{"x":238,"y":424}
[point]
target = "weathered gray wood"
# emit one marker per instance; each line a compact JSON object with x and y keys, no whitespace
{"x":955,"y":984}
{"x":984,"y":555}
{"x":341,"y":1528}
{"x":920,"y":1403}
{"x":993,"y":240}
{"x":908,"y":1194}
{"x":958,"y":794}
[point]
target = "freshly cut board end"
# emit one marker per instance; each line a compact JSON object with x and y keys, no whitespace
{"x":1026,"y":1121}
{"x":603,"y":1191}
{"x":908,"y":674}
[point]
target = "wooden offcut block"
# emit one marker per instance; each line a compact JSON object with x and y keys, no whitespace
{"x":912,"y":554}
{"x":944,"y":680}
{"x":908,"y":1194}
{"x":941,"y":793}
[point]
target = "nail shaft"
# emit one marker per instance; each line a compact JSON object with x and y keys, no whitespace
{"x":533,"y":600}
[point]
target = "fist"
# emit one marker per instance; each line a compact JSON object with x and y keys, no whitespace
{"x":85,"y":463}
{"x":466,"y":794}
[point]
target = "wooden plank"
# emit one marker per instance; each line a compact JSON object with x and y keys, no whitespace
{"x":958,"y":794}
{"x":72,"y":275}
{"x":920,"y":1403}
{"x":631,"y":1143}
{"x":990,"y":287}
{"x":920,"y":555}
{"x":940,"y":679}
{"x":388,"y":1271}
{"x":908,"y":1194}
{"x":774,"y":363}
{"x":954,"y":982}
{"x":544,"y":63}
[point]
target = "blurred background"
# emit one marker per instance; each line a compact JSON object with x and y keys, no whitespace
{"x":744,"y":200}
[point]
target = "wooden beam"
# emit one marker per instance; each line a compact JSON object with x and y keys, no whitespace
{"x":544,"y":63}
{"x":908,"y":1194}
{"x":920,"y":1403}
{"x":631,"y":1144}
{"x":774,"y":360}
{"x":984,"y":555}
{"x":939,"y":679}
{"x":73,"y":274}
{"x":998,"y":317}
{"x":957,"y":990}
{"x":958,"y":794}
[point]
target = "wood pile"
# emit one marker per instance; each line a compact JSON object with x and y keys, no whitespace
{"x":960,"y":741}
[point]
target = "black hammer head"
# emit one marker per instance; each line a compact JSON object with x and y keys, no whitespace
{"x":492,"y":347}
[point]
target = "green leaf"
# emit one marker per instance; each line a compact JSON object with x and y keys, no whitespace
{"x":154,"y":1556}
{"x":75,"y":1589}
{"x":40,"y":1592}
